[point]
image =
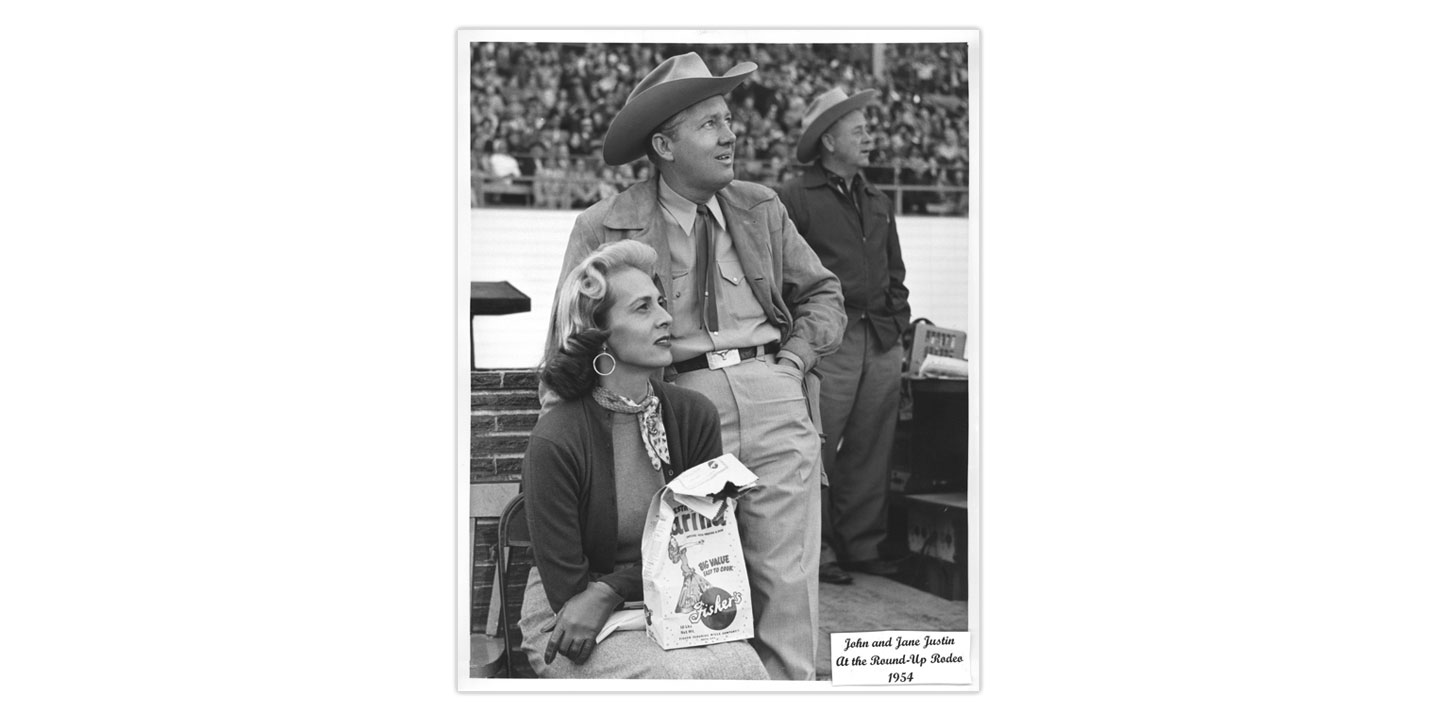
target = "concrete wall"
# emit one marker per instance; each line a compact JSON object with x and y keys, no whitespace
{"x":524,"y":247}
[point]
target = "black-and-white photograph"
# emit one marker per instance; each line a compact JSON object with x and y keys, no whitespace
{"x":418,"y":360}
{"x":721,"y":323}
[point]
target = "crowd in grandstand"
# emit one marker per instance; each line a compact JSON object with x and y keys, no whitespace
{"x":539,"y":112}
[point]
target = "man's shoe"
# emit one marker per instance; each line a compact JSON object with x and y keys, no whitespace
{"x":877,"y":566}
{"x":833,"y":574}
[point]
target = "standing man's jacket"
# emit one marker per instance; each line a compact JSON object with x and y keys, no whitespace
{"x":797,"y":293}
{"x":871,"y":271}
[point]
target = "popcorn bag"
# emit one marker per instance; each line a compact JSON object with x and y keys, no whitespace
{"x":697,"y":591}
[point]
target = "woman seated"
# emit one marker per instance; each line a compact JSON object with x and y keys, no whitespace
{"x":593,"y":465}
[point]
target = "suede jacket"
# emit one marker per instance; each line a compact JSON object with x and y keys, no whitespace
{"x":797,"y":293}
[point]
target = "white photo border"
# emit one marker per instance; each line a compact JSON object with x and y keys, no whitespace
{"x":464,"y":37}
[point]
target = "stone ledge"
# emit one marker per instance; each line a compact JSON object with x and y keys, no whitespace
{"x":477,"y":478}
{"x":510,"y":399}
{"x":493,"y":445}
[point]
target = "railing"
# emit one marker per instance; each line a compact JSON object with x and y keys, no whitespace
{"x":580,"y":188}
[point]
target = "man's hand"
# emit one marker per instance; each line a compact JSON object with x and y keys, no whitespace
{"x":579,"y":621}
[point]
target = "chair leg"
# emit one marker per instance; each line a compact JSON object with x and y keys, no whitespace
{"x":500,"y":572}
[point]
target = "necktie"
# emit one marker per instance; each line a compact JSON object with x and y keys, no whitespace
{"x":705,"y":268}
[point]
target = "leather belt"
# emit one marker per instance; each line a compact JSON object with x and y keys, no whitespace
{"x":725,"y":358}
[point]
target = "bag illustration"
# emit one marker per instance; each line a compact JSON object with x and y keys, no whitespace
{"x":697,"y":591}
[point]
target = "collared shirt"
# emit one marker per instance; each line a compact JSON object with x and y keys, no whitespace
{"x":850,"y":188}
{"x":742,"y":320}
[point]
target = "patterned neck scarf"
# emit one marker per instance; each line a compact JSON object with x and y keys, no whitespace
{"x":652,"y":429}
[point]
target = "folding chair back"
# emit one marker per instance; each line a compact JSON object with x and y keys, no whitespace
{"x":514,"y":534}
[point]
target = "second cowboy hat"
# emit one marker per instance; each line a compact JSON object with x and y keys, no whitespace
{"x":822,"y":113}
{"x":678,"y":83}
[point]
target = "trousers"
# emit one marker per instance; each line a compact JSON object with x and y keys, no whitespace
{"x":859,"y":406}
{"x":630,"y":654}
{"x":765,"y":422}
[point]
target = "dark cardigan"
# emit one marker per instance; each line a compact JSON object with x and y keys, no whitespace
{"x":569,"y":485}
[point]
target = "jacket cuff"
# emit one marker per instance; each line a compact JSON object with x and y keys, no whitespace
{"x":626,"y":583}
{"x":799,"y":352}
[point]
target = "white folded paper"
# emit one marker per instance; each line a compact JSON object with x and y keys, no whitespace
{"x":703,"y":487}
{"x":941,"y":366}
{"x":622,"y":620}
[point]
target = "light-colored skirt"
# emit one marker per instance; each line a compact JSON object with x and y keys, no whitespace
{"x":631,"y":653}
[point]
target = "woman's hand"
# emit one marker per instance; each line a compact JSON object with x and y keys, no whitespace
{"x":579,"y":621}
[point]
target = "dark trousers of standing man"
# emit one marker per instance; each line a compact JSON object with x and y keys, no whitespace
{"x":859,"y":405}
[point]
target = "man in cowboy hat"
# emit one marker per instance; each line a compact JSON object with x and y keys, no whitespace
{"x":851,"y":226}
{"x":753,"y":311}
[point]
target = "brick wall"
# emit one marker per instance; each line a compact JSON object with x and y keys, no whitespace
{"x":503,"y":410}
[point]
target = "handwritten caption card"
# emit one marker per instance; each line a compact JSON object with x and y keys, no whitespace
{"x":900,"y":657}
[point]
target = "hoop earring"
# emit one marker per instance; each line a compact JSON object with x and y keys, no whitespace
{"x":595,"y":362}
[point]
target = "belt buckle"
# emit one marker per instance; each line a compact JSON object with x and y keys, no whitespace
{"x":722,"y":358}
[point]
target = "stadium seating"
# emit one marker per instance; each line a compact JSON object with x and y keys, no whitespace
{"x":550,"y":104}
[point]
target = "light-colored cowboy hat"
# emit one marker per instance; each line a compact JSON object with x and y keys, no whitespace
{"x":678,"y":83}
{"x":822,"y":113}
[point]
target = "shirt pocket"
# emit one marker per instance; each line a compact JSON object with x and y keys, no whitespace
{"x":735,"y":295}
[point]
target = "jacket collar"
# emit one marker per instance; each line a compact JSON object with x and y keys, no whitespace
{"x":635,"y":208}
{"x":815,"y":176}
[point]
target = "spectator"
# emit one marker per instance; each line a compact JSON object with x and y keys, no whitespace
{"x":504,"y":167}
{"x":546,"y":182}
{"x":609,"y":184}
{"x":564,"y":94}
{"x":851,"y":227}
{"x":498,"y":167}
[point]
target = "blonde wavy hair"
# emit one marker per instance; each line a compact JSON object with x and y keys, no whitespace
{"x":577,"y":319}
